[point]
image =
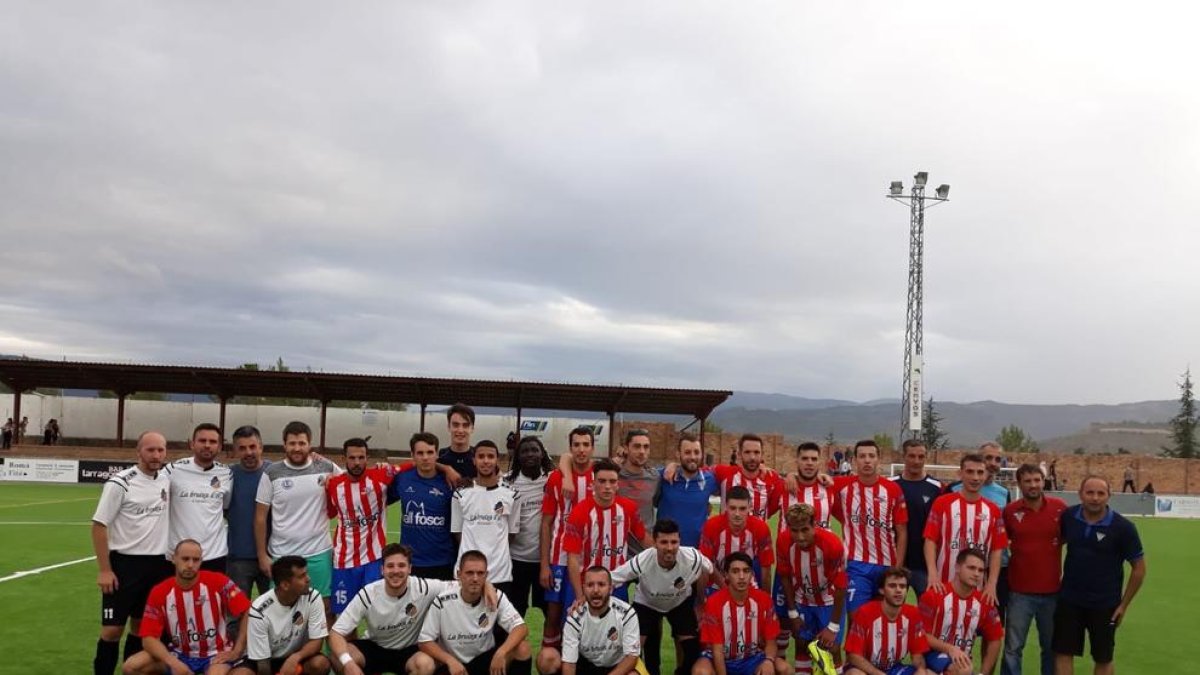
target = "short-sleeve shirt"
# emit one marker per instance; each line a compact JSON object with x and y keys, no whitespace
{"x":685,"y":501}
{"x":486,"y":516}
{"x":659,"y":588}
{"x":994,"y":493}
{"x":296,"y":495}
{"x":600,"y":534}
{"x":952,"y":618}
{"x":602,"y":640}
{"x":817,"y":570}
{"x":360,"y":508}
{"x":639,"y":488}
{"x":392,"y":622}
{"x":741,"y":627}
{"x":956,"y":524}
{"x":199,"y":499}
{"x":869,"y":514}
{"x":134,"y":509}
{"x":885,"y":642}
{"x":467,"y":630}
{"x":275,"y":630}
{"x":764,"y":487}
{"x":1035,"y":542}
{"x":559,"y":504}
{"x":818,"y":496}
{"x":718,"y":540}
{"x":918,"y":499}
{"x":424,"y":517}
{"x":1094,"y":572}
{"x":525,"y":543}
{"x":462,"y":462}
{"x":195,"y":619}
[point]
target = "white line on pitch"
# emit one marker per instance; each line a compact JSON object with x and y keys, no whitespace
{"x":47,"y":568}
{"x":56,"y":501}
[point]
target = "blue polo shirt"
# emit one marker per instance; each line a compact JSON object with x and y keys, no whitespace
{"x":1094,"y":571}
{"x":685,"y":501}
{"x":424,"y":517}
{"x":240,"y":513}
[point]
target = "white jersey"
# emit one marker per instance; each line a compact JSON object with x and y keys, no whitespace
{"x":603,"y":640}
{"x":296,"y":495}
{"x":485,"y":517}
{"x":134,"y":507}
{"x":530,"y":493}
{"x":659,"y":588}
{"x":275,"y":630}
{"x":199,"y":498}
{"x":466,"y":630}
{"x":392,"y":623}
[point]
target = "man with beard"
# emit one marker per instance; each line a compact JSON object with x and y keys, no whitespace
{"x":805,"y":486}
{"x":812,"y":580}
{"x":887,"y":631}
{"x":601,"y":638}
{"x":763,"y":484}
{"x":528,"y":479}
{"x":357,"y":500}
{"x":129,"y":536}
{"x":965,"y":520}
{"x":670,"y":580}
{"x":739,"y":627}
{"x":735,"y":530}
{"x":920,"y":490}
{"x":637,"y":481}
{"x":193,"y":610}
{"x":684,"y":498}
{"x":286,"y":625}
{"x":556,"y":508}
{"x":484,"y":515}
{"x":953,"y":617}
{"x":600,"y":528}
{"x":242,"y":564}
{"x":201,"y":489}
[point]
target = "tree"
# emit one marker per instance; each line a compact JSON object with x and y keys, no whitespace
{"x":931,"y":430}
{"x":711,"y":427}
{"x":884,"y":441}
{"x":1014,"y":439}
{"x":1183,"y":425}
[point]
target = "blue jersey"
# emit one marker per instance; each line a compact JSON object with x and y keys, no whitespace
{"x":425,"y":517}
{"x":685,"y":501}
{"x":240,"y":513}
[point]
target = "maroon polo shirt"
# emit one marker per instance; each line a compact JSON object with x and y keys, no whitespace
{"x":1035,"y":565}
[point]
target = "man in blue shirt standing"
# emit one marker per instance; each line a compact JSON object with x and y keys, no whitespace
{"x":424,"y":498}
{"x":1099,"y":542}
{"x":685,"y":499}
{"x":242,"y":564}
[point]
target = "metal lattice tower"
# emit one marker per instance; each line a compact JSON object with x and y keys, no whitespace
{"x":914,"y":317}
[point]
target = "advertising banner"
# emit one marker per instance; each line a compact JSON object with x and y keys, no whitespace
{"x":39,"y":470}
{"x":91,"y":471}
{"x":1177,"y":506}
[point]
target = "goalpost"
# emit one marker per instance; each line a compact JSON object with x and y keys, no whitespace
{"x":948,"y":473}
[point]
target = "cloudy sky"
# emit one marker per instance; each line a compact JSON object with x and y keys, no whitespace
{"x":669,"y":193}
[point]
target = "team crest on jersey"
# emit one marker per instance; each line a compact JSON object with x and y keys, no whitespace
{"x":982,"y":515}
{"x":410,"y":610}
{"x":612,"y":634}
{"x":287,"y":484}
{"x":925,"y":499}
{"x":433,"y":491}
{"x":215,"y":483}
{"x":163,"y":494}
{"x":321,"y":480}
{"x":679,"y":583}
{"x":483,"y":620}
{"x":1099,"y":536}
{"x":499,"y":508}
{"x":297,"y":618}
{"x":1019,"y":515}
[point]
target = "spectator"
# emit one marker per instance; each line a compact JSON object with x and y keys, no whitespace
{"x":23,"y":430}
{"x":1129,"y":485}
{"x":8,"y":434}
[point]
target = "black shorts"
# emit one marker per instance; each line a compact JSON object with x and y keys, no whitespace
{"x":136,"y":575}
{"x":585,"y":667}
{"x":383,"y":660}
{"x":682,"y":619}
{"x":441,"y":572}
{"x":215,"y":565}
{"x":480,"y":665}
{"x":1070,"y":623}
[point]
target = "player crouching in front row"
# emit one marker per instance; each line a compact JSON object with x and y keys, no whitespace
{"x":887,"y":631}
{"x":739,"y":626}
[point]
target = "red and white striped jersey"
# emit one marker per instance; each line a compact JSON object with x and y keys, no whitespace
{"x":869,"y":515}
{"x":195,"y":619}
{"x":956,"y":524}
{"x":952,"y":618}
{"x":717,"y":540}
{"x":743,"y":628}
{"x":816,"y":495}
{"x":600,"y":534}
{"x":764,"y":488}
{"x":360,"y":507}
{"x":816,"y":571}
{"x":886,"y":642}
{"x":559,"y":505}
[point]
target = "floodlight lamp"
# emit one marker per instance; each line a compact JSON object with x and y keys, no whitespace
{"x":943,"y":191}
{"x":897,"y":187}
{"x":921,"y":178}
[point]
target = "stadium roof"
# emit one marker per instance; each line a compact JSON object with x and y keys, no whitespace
{"x":22,"y":374}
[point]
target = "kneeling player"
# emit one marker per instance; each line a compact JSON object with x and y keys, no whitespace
{"x":812,"y":583}
{"x":739,"y":626}
{"x":458,"y":634}
{"x":886,"y":631}
{"x":953,"y":617}
{"x":286,"y":625}
{"x":193,"y":608}
{"x":600,"y":638}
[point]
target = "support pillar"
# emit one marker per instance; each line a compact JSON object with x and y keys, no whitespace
{"x":121,"y":419}
{"x":324,"y":409}
{"x":703,"y":423}
{"x":17,"y":416}
{"x":612,"y":421}
{"x":423,"y":406}
{"x":221,"y":420}
{"x":518,"y":423}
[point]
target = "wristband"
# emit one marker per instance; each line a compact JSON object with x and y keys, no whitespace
{"x":345,"y":658}
{"x":833,"y":627}
{"x":793,"y":614}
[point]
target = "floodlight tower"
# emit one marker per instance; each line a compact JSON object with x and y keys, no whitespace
{"x":914,"y":323}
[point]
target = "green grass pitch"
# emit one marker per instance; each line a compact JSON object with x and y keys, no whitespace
{"x":51,"y":618}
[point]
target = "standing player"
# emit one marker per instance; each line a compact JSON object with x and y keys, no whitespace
{"x":763,"y":484}
{"x":599,"y":528}
{"x":601,"y":638}
{"x":920,"y":490}
{"x":528,"y":479}
{"x":460,"y":454}
{"x":292,"y":492}
{"x":1035,"y":569}
{"x":887,"y":631}
{"x":873,"y":516}
{"x":459,"y":631}
{"x":357,"y":500}
{"x":242,"y":566}
{"x":556,"y":508}
{"x":129,"y":536}
{"x":638,"y":481}
{"x":808,"y":488}
{"x":684,"y":498}
{"x":994,"y":492}
{"x":425,"y":511}
{"x":485,"y":514}
{"x":286,"y":625}
{"x":201,"y":489}
{"x":953,"y":617}
{"x":735,"y":530}
{"x":965,"y":520}
{"x":193,"y":609}
{"x":670,"y":579}
{"x":739,"y":627}
{"x":812,"y":578}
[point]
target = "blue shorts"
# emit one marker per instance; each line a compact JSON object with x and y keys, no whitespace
{"x":864,"y":582}
{"x":745,"y":666}
{"x":349,"y":581}
{"x":938,"y":662}
{"x":196,"y":663}
{"x":902,"y":669}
